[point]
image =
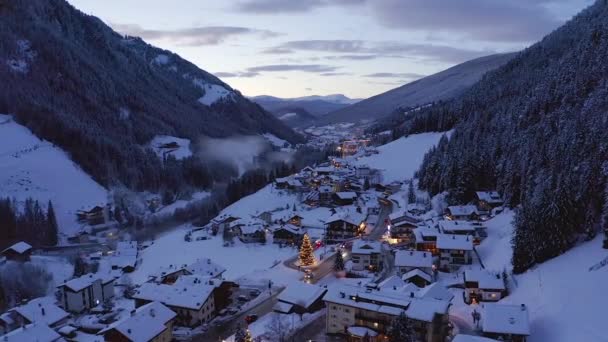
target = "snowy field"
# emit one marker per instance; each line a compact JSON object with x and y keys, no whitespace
{"x":239,"y":260}
{"x":401,"y":158}
{"x":274,"y":140}
{"x":160,"y":146}
{"x":30,"y":167}
{"x":266,"y":199}
{"x":567,"y":301}
{"x":213,"y":93}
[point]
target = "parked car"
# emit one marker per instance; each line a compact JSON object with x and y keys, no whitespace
{"x":251,"y":318}
{"x":308,"y":275}
{"x":254,"y":293}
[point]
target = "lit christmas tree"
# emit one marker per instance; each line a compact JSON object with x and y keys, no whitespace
{"x":307,"y":257}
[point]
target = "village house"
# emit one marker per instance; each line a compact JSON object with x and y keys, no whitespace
{"x":287,"y":234}
{"x":474,"y":229}
{"x":344,"y":225}
{"x":505,"y":322}
{"x":193,"y":302}
{"x":462,"y":212}
{"x":417,"y":277}
{"x":33,"y":332}
{"x":344,"y":198}
{"x":203,"y":267}
{"x":393,"y":282}
{"x":94,"y":216}
{"x":124,"y":256}
{"x":353,"y":306}
{"x":152,"y":322}
{"x":291,"y":217}
{"x":86,"y":292}
{"x":222,"y":222}
{"x":401,"y":228}
{"x":42,"y":310}
{"x":425,"y":239}
{"x":483,"y":286}
{"x":20,"y":252}
{"x":252,"y":231}
{"x":406,"y":261}
{"x":265,"y":216}
{"x":300,"y":298}
{"x":454,"y":250}
{"x":326,"y":193}
{"x":488,"y":200}
{"x":367,"y":255}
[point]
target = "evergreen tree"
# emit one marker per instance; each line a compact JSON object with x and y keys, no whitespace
{"x":411,"y":193}
{"x":401,"y":330}
{"x":366,"y":184}
{"x":52,"y":225}
{"x":339,"y":262}
{"x":307,"y":257}
{"x":605,"y":216}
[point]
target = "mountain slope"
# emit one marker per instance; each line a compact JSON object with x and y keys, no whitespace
{"x":34,"y":168}
{"x":315,"y":104}
{"x":440,"y":86}
{"x":537,"y":130}
{"x":295,"y":116}
{"x":101,"y":96}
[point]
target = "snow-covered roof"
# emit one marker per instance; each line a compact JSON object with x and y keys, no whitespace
{"x":413,"y":259}
{"x":401,"y":216}
{"x":392,"y":282}
{"x":290,"y":228}
{"x":505,"y":319}
{"x":205,"y":267}
{"x":455,"y":242}
{"x":294,"y":182}
{"x":20,"y":247}
{"x":84,"y":281}
{"x":251,"y":228}
{"x":361,"y":331}
{"x":492,"y":197}
{"x":435,"y":291}
{"x":31,"y":332}
{"x":417,"y":272}
{"x":426,"y":309}
{"x":346,"y":195}
{"x":421,"y":232}
{"x":366,"y":247}
{"x":190,"y":297}
{"x":147,"y":322}
{"x":349,"y":215}
{"x":325,"y":189}
{"x":41,"y":310}
{"x":471,"y":338}
{"x":282,"y":307}
{"x":485,"y":279}
{"x":448,"y":227}
{"x":303,"y":294}
{"x":462,"y":210}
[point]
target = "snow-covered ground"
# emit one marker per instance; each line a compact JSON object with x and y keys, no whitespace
{"x":213,"y":93}
{"x":239,"y":260}
{"x":30,"y":167}
{"x":274,"y":140}
{"x":266,"y":199}
{"x":287,"y":116}
{"x":164,"y":145}
{"x":401,"y":158}
{"x":567,"y":301}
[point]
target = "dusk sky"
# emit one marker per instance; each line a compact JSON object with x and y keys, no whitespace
{"x":360,"y":48}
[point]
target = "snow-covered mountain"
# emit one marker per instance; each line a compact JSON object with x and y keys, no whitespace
{"x":31,"y":167}
{"x":440,"y":86}
{"x":317,"y":105}
{"x":100,"y":95}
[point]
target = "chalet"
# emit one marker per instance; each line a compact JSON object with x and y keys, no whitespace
{"x":456,"y":227}
{"x":352,"y":306}
{"x":152,"y":322}
{"x":265,"y":216}
{"x":324,"y":170}
{"x":291,"y":217}
{"x":401,"y":227}
{"x":425,"y":239}
{"x":483,"y":286}
{"x":203,"y":267}
{"x":406,"y":261}
{"x":125,"y":256}
{"x":42,"y":310}
{"x":393,"y":282}
{"x":344,"y":225}
{"x":249,"y":232}
{"x":505,"y":322}
{"x":222,"y":222}
{"x":300,"y":298}
{"x":312,"y":198}
{"x":86,"y":292}
{"x":344,"y":198}
{"x":326,"y":193}
{"x":367,"y":255}
{"x":94,"y":216}
{"x":32,"y":332}
{"x":21,"y":252}
{"x":454,"y":250}
{"x":462,"y":212}
{"x":192,"y":301}
{"x":417,"y":277}
{"x":488,"y":200}
{"x":287,"y":234}
{"x":281,"y":183}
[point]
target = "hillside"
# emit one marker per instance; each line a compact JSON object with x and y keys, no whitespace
{"x":295,"y":116}
{"x":315,"y":104}
{"x":440,"y":86}
{"x":101,"y":96}
{"x":536,"y":129}
{"x":30,"y":167}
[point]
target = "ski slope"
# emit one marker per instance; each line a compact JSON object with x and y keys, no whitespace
{"x":401,"y":158}
{"x":30,"y":167}
{"x":567,"y":301}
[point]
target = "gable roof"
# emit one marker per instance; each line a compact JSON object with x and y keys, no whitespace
{"x":458,"y":242}
{"x":417,"y":273}
{"x":147,"y":322}
{"x":366,"y":247}
{"x":492,"y":197}
{"x":41,"y":310}
{"x":485,"y":279}
{"x":462,"y":210}
{"x":205,"y":267}
{"x":20,"y":247}
{"x":299,"y":293}
{"x":505,"y":319}
{"x":391,"y":282}
{"x":31,"y":332}
{"x":189,"y":297}
{"x":413,"y":259}
{"x":346,"y":195}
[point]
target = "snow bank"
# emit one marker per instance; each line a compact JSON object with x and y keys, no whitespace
{"x":164,"y":145}
{"x":401,"y":158}
{"x":30,"y":167}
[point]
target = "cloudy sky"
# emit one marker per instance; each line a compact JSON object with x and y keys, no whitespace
{"x":360,"y":48}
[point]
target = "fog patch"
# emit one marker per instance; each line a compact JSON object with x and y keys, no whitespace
{"x":240,"y":151}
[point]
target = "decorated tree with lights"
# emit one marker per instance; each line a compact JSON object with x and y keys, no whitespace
{"x":339,"y":262}
{"x":307,"y":257}
{"x":242,"y":335}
